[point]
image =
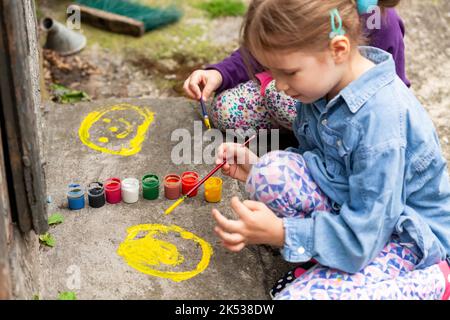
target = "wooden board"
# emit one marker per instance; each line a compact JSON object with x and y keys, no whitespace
{"x":5,"y":283}
{"x":26,"y":184}
{"x":112,"y":22}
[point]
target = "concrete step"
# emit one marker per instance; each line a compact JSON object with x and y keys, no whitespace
{"x":86,"y":260}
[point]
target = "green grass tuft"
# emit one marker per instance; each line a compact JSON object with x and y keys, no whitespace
{"x":223,"y":8}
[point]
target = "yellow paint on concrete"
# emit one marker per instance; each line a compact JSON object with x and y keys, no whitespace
{"x":146,"y":253}
{"x":135,"y":134}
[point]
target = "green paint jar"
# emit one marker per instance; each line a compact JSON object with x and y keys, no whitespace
{"x":150,"y":186}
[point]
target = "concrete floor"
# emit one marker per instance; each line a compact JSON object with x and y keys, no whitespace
{"x":85,"y":258}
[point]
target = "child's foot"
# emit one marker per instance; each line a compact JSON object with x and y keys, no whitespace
{"x":289,"y":277}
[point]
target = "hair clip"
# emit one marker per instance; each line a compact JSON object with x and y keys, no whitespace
{"x":364,"y":5}
{"x":339,"y":31}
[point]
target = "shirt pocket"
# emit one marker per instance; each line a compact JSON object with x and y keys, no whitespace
{"x":304,"y":133}
{"x":337,"y":154}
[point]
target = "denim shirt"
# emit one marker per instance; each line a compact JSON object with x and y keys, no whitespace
{"x":374,"y":152}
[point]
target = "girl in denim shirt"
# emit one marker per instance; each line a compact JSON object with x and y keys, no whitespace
{"x":365,"y":198}
{"x":253,"y":102}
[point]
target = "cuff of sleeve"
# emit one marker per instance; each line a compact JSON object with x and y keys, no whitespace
{"x":298,"y":243}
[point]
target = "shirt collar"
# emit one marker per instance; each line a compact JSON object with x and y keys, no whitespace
{"x":358,"y":92}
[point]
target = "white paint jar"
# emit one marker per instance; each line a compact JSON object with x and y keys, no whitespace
{"x":130,"y":190}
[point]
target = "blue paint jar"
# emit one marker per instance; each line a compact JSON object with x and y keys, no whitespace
{"x":75,"y":197}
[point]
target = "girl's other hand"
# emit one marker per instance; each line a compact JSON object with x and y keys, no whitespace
{"x":257,"y":224}
{"x":239,"y":160}
{"x":209,"y":80}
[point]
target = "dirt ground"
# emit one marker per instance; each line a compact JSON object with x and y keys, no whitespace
{"x":120,"y":67}
{"x":428,"y":59}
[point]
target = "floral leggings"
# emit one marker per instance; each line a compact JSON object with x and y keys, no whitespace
{"x":282,"y":181}
{"x":244,"y":107}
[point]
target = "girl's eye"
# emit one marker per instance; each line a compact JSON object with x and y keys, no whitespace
{"x":291,"y":73}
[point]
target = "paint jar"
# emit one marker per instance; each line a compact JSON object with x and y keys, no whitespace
{"x":75,"y":197}
{"x":213,"y":190}
{"x":96,"y":195}
{"x":150,"y":186}
{"x":172,"y":186}
{"x":188,"y":180}
{"x":130,"y":190}
{"x":113,"y":190}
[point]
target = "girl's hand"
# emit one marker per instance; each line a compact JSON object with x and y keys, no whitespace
{"x":239,"y":159}
{"x":210,"y":80}
{"x":257,"y":224}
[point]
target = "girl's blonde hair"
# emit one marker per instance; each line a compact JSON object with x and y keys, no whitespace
{"x":296,"y":24}
{"x":388,"y":3}
{"x":299,"y":24}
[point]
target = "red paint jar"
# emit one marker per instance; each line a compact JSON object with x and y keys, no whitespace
{"x":188,"y":180}
{"x":113,"y":190}
{"x":172,"y":186}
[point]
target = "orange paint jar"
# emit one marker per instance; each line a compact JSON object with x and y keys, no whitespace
{"x":213,"y":190}
{"x":188,"y":180}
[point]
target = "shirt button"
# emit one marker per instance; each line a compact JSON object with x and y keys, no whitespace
{"x":339,"y":143}
{"x":301,"y":250}
{"x":324,"y":122}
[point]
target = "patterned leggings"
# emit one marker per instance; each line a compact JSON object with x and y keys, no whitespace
{"x":244,"y":107}
{"x":391,"y":275}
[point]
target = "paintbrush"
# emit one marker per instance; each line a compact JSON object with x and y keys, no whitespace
{"x":179,"y":201}
{"x":205,"y":114}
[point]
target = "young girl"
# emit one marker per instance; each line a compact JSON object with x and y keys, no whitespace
{"x":366,"y":195}
{"x":256,"y":104}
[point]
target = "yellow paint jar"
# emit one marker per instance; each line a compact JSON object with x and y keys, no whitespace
{"x":213,"y":190}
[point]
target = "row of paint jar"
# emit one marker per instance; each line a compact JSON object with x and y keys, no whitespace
{"x":114,"y":190}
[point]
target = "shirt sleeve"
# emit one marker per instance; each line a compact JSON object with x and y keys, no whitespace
{"x":390,"y":38}
{"x":348,"y":241}
{"x":234,"y":71}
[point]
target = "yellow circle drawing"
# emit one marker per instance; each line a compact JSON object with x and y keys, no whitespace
{"x":121,"y":128}
{"x":146,"y":253}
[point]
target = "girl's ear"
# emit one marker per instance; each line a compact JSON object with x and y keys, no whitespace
{"x":340,"y":49}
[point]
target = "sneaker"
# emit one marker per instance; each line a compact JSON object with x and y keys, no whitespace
{"x":289,"y":278}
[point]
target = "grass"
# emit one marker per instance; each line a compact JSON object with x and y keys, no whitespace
{"x":223,"y":8}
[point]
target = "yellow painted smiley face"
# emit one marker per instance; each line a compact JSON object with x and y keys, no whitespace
{"x":118,"y":130}
{"x":148,"y":249}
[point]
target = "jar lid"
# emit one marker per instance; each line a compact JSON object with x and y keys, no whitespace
{"x":130,"y":183}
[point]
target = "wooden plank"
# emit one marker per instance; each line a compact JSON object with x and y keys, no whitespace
{"x":5,"y":278}
{"x":12,"y":150}
{"x":111,"y":21}
{"x":28,"y":188}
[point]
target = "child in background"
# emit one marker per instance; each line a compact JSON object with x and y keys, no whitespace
{"x":256,"y":104}
{"x":366,"y":195}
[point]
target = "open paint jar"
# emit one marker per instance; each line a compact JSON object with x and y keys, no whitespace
{"x":112,"y":190}
{"x":75,"y":197}
{"x":130,"y":190}
{"x":172,"y":186}
{"x":188,"y":180}
{"x":213,"y":189}
{"x":96,"y":195}
{"x":150,"y":186}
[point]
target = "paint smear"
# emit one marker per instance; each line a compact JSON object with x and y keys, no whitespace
{"x":135,"y":135}
{"x":146,"y":253}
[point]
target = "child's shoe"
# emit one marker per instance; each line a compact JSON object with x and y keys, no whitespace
{"x":289,"y":277}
